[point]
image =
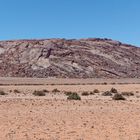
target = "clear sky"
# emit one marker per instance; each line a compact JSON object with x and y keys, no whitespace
{"x":31,"y":19}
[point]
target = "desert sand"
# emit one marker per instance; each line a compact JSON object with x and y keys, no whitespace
{"x":24,"y":116}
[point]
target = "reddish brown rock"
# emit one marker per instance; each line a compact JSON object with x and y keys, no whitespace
{"x":84,"y":58}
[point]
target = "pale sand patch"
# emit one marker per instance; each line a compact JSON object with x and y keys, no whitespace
{"x":26,"y":117}
{"x":40,"y":119}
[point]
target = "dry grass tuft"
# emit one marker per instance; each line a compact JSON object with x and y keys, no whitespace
{"x":113,"y":90}
{"x":118,"y":97}
{"x":127,"y":93}
{"x":85,"y":93}
{"x":96,"y":91}
{"x":38,"y":93}
{"x":55,"y":90}
{"x":107,"y":93}
{"x":16,"y":91}
{"x":2,"y":93}
{"x":44,"y":90}
{"x":74,"y":96}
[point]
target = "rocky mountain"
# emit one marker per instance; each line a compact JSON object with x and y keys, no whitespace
{"x":61,"y":58}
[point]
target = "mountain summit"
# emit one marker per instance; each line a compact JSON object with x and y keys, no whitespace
{"x":61,"y":58}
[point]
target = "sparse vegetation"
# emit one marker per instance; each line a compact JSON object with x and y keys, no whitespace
{"x":113,"y":83}
{"x":85,"y":93}
{"x":138,"y":96}
{"x":55,"y":90}
{"x":91,"y":93}
{"x":10,"y":90}
{"x":67,"y":93}
{"x":105,"y":83}
{"x":2,"y":93}
{"x":127,"y":93}
{"x":16,"y":91}
{"x":118,"y":97}
{"x":44,"y":90}
{"x":107,"y":93}
{"x":96,"y":91}
{"x":38,"y":93}
{"x":74,"y":96}
{"x":113,"y":90}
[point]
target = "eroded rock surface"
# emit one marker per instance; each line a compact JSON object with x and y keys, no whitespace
{"x":83,"y":58}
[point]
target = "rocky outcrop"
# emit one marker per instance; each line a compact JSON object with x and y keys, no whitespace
{"x":84,"y":58}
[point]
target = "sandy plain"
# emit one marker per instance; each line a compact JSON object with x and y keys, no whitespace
{"x":24,"y":116}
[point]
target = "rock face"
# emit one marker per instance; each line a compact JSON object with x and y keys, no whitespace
{"x":61,"y":58}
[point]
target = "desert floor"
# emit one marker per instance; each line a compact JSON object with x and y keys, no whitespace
{"x":24,"y":116}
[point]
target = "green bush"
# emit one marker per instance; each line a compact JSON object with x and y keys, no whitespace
{"x":74,"y":96}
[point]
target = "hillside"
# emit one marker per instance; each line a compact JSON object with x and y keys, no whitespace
{"x":61,"y":58}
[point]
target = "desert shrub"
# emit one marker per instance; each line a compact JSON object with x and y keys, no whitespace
{"x":44,"y":90}
{"x":16,"y":91}
{"x":85,"y":93}
{"x":55,"y":90}
{"x":107,"y":93}
{"x":113,"y":90}
{"x":105,"y":83}
{"x":10,"y":90}
{"x":113,"y":83}
{"x":96,"y":91}
{"x":39,"y":93}
{"x":138,"y":96}
{"x":74,"y":96}
{"x":118,"y":97}
{"x":92,"y":93}
{"x":67,"y":93}
{"x":2,"y":93}
{"x":127,"y":93}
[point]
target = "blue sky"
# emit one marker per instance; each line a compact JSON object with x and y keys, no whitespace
{"x":30,"y":19}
